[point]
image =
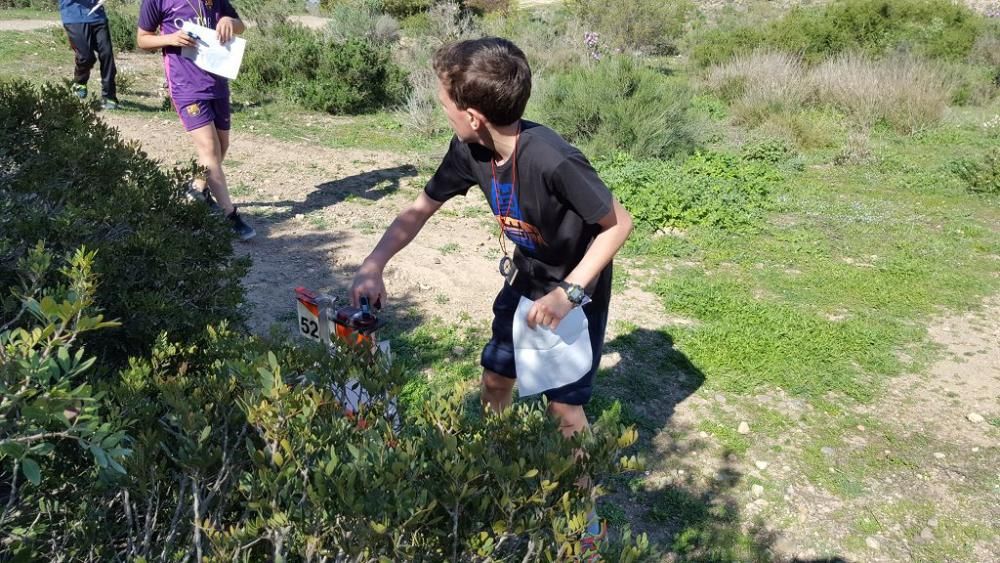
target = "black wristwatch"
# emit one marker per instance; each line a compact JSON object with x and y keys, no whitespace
{"x":573,"y":292}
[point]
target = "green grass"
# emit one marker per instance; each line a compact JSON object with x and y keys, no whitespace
{"x":441,"y":355}
{"x":34,"y":56}
{"x":825,"y":297}
{"x":28,"y":14}
{"x":449,"y":248}
{"x":378,"y":131}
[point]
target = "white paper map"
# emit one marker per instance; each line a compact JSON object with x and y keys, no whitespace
{"x":210,"y":55}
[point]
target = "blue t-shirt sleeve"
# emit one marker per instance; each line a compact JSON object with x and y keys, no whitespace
{"x":150,"y":15}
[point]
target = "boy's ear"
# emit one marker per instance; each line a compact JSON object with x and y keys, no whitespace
{"x":476,"y":119}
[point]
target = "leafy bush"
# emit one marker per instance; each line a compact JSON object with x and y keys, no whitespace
{"x":122,"y":25}
{"x":491,"y":6}
{"x":363,"y":19}
{"x":20,"y":4}
{"x":240,"y":449}
{"x":709,"y":189}
{"x":617,"y":105}
{"x":47,"y":402}
{"x":320,"y":73}
{"x":982,"y":176}
{"x":403,"y":8}
{"x":932,"y":28}
{"x":647,"y":25}
{"x":69,"y":179}
{"x":768,"y":151}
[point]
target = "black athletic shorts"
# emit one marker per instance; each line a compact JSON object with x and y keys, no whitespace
{"x":498,"y":355}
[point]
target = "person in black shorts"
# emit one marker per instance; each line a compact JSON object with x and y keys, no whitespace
{"x":563,"y":223}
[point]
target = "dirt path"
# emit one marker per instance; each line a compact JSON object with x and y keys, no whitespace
{"x":27,"y":25}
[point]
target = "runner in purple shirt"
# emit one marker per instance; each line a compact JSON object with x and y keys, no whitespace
{"x":200,"y":98}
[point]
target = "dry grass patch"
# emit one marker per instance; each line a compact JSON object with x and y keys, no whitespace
{"x":906,"y":93}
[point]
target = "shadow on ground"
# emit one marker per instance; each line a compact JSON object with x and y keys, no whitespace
{"x":284,"y":260}
{"x":370,"y":186}
{"x":687,"y":515}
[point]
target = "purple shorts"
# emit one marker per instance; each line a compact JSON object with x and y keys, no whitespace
{"x":196,"y":115}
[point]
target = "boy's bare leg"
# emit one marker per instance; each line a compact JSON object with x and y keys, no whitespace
{"x":497,"y":390}
{"x":210,"y":153}
{"x":572,"y":419}
{"x":223,"y":143}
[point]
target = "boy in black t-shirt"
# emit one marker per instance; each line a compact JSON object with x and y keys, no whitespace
{"x":564,"y":223}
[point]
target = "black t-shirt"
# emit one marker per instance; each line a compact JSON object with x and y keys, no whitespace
{"x":552,"y":218}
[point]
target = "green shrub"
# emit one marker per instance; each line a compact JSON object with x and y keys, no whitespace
{"x":122,"y":25}
{"x":768,"y":151}
{"x":980,"y":176}
{"x":70,"y":180}
{"x":647,"y":25}
{"x":238,"y":449}
{"x":364,"y":20}
{"x":491,"y":6}
{"x":932,"y":28}
{"x":319,"y":73}
{"x":617,"y":105}
{"x":710,"y":189}
{"x":403,"y":8}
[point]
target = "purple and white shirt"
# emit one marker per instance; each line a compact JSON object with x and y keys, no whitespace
{"x":187,"y":82}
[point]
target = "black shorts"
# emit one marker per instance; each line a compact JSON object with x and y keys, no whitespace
{"x":498,"y":355}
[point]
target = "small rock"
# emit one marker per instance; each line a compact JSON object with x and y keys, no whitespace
{"x":871,"y":542}
{"x":975,"y":449}
{"x":827,"y":451}
{"x":720,"y":399}
{"x":861,"y":427}
{"x":743,"y":428}
{"x":458,"y":351}
{"x":299,"y":216}
{"x":757,"y":490}
{"x":762,"y":465}
{"x":703,"y":435}
{"x":933,"y":523}
{"x":732,"y":458}
{"x":785,"y":468}
{"x":938,"y":455}
{"x":926,"y":534}
{"x":975,"y":418}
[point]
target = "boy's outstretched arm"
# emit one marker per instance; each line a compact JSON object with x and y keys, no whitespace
{"x":368,"y":281}
{"x":615,"y":229}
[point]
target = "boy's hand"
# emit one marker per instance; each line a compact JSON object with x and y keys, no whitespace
{"x":368,"y":283}
{"x":180,"y":39}
{"x":550,"y":310}
{"x":224,"y":29}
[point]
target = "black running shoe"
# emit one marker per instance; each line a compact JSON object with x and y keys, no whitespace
{"x":206,"y":194}
{"x":242,"y":230}
{"x":203,"y":195}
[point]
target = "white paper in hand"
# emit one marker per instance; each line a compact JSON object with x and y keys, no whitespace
{"x":547,"y":359}
{"x":210,"y":55}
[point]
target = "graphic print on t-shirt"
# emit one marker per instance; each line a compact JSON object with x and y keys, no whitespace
{"x":512,"y":221}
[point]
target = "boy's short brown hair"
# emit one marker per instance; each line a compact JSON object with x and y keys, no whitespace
{"x":489,"y":74}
